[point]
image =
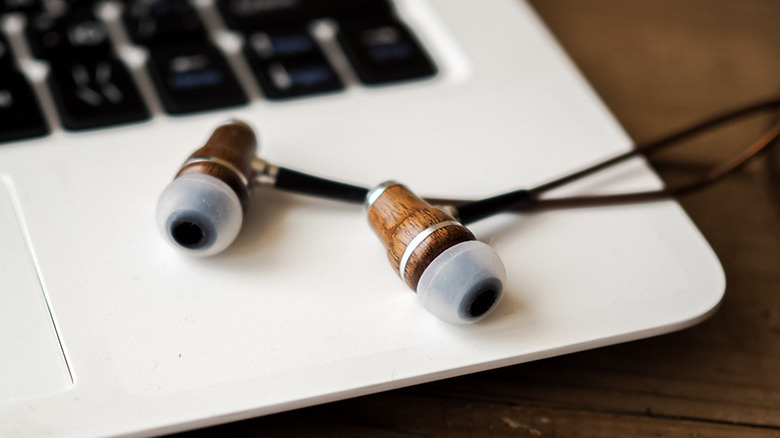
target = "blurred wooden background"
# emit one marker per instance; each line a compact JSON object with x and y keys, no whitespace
{"x":659,"y":65}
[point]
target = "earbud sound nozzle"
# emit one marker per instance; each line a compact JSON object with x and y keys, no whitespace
{"x":199,"y":214}
{"x":464,"y":283}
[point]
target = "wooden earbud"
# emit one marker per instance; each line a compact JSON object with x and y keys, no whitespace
{"x":227,"y":155}
{"x":457,"y":278}
{"x":413,"y":231}
{"x":201,"y":210}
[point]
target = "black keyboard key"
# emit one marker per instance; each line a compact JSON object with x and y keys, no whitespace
{"x":296,"y":78}
{"x":157,"y":22}
{"x":283,"y":43}
{"x":24,"y":6}
{"x":193,"y":77}
{"x":77,"y":34}
{"x":6,"y":57}
{"x":249,"y":15}
{"x":383,"y":51}
{"x":20,"y":113}
{"x":87,"y":4}
{"x":289,"y":63}
{"x":95,"y":93}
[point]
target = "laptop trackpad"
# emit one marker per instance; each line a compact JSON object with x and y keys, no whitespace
{"x":33,"y":363}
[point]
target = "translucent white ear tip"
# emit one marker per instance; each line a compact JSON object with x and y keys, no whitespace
{"x":199,"y":214}
{"x":464,"y":283}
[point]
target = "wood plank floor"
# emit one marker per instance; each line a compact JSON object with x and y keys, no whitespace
{"x":659,"y":65}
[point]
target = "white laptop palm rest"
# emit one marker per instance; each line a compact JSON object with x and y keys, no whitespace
{"x":107,"y":330}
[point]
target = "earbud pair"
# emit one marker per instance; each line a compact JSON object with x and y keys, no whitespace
{"x":456,"y":277}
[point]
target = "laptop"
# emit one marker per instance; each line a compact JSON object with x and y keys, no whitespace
{"x":108,"y":330}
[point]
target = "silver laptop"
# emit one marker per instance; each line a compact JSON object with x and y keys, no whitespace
{"x":107,"y":330}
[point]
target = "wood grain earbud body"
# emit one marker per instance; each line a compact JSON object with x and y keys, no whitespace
{"x":227,"y":155}
{"x":413,"y":231}
{"x":202,"y":210}
{"x":457,"y":278}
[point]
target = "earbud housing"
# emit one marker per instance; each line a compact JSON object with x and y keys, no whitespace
{"x":456,"y":277}
{"x":201,"y":211}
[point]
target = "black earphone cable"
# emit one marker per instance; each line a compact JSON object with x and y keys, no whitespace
{"x":528,"y":199}
{"x":299,"y":182}
{"x":524,"y":200}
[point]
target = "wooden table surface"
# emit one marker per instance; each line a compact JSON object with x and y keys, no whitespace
{"x":659,"y":65}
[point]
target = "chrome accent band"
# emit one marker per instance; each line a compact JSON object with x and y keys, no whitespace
{"x":265,"y":173}
{"x":220,"y":162}
{"x":418,"y":239}
{"x":377,"y":191}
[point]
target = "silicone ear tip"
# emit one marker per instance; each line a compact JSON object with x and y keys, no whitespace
{"x":463,"y":284}
{"x":199,"y":214}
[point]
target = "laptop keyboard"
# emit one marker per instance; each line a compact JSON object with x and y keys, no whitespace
{"x":91,"y":86}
